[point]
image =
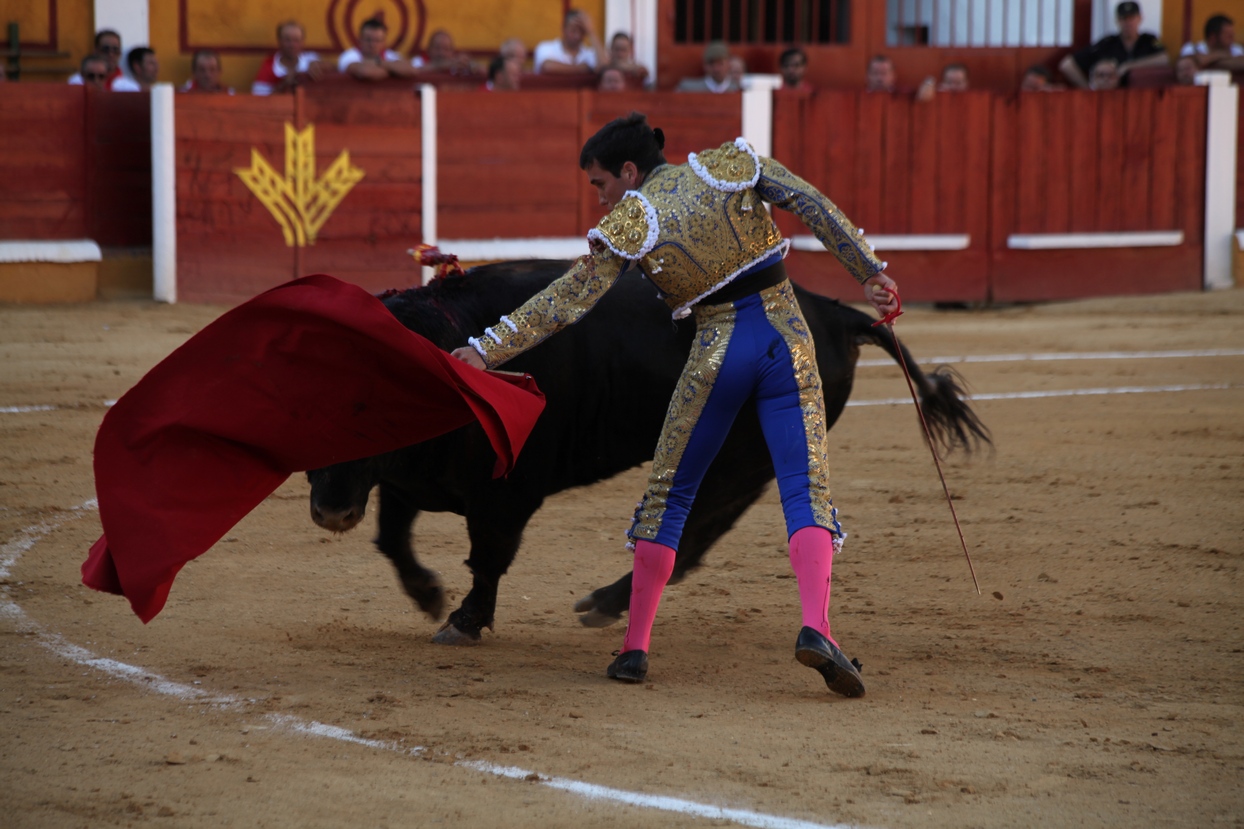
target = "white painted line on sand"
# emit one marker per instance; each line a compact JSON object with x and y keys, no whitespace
{"x":12,"y":550}
{"x":1067,"y":355}
{"x":1031,"y":395}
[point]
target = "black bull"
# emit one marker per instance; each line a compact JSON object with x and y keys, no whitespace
{"x":608,"y":381}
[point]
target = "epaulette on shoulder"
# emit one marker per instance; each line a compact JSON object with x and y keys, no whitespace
{"x":730,"y":167}
{"x":630,"y":230}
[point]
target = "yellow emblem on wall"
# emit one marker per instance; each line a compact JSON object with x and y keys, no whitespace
{"x":299,"y":202}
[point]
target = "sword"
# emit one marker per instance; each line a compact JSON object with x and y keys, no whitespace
{"x":888,"y":322}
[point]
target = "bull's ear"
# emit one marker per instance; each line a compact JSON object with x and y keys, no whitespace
{"x":630,"y":230}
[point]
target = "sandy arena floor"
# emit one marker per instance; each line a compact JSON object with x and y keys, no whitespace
{"x":290,"y":683}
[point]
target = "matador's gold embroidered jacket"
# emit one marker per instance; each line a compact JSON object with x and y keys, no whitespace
{"x":692,"y":228}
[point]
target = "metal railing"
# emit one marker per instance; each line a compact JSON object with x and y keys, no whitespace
{"x":762,"y":21}
{"x":981,"y":23}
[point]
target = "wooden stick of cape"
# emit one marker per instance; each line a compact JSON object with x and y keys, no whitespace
{"x":311,"y":373}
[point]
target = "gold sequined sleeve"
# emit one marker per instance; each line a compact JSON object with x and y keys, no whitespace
{"x":562,"y":303}
{"x":789,"y":192}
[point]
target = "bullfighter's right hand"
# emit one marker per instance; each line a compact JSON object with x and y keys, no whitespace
{"x":470,"y":356}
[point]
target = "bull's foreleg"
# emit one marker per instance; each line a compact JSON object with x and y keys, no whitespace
{"x":496,"y":530}
{"x":393,"y":539}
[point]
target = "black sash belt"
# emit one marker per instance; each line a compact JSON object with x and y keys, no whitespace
{"x":748,"y":284}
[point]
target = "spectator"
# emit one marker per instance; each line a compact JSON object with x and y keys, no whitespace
{"x":881,"y":76}
{"x":1219,"y":49}
{"x":577,"y":50}
{"x":1185,"y":70}
{"x":1038,"y":79}
{"x":371,"y":61}
{"x":513,"y":47}
{"x":205,"y":73}
{"x":1105,"y":75}
{"x":144,"y":70}
{"x":793,"y":64}
{"x":954,"y":79}
{"x":107,"y":46}
{"x":290,"y":65}
{"x":93,"y":71}
{"x":716,"y":72}
{"x":612,"y":79}
{"x":1129,"y":49}
{"x":504,"y":74}
{"x":622,"y":58}
{"x":441,"y":56}
{"x":736,"y":68}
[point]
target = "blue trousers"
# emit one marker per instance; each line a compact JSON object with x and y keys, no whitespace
{"x":755,"y":349}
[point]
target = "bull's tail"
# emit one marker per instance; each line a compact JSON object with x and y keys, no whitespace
{"x":943,"y":396}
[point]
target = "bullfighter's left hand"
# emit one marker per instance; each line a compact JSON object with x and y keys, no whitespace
{"x":470,"y":356}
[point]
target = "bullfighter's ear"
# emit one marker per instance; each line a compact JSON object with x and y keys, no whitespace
{"x":630,"y":230}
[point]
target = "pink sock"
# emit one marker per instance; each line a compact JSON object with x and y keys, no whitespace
{"x":812,"y":558}
{"x":653,"y":565}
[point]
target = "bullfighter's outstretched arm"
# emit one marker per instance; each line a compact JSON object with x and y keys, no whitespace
{"x":562,"y":303}
{"x":789,"y":192}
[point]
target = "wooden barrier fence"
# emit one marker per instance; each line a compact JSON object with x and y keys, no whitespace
{"x":983,"y":168}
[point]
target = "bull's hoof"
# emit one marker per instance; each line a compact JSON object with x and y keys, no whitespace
{"x":450,"y":635}
{"x":594,"y":617}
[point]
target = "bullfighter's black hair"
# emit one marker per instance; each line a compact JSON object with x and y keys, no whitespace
{"x":622,"y":140}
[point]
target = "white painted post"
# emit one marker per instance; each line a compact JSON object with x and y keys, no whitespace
{"x":758,"y":119}
{"x":638,"y":18}
{"x":427,"y":113}
{"x":1222,"y":113}
{"x":163,"y":194}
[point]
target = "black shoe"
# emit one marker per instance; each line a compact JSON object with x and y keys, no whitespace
{"x":814,"y":649}
{"x":631,"y":666}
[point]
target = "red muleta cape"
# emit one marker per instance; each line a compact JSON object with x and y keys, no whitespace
{"x":311,"y":373}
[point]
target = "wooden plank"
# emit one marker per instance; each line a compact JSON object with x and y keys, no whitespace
{"x":1003,"y":179}
{"x":869,"y":191}
{"x":1030,"y":160}
{"x":1134,"y":192}
{"x":976,"y":169}
{"x":924,"y":276}
{"x":927,"y":176}
{"x":1164,"y":137}
{"x":1055,"y":158}
{"x":1084,"y":176}
{"x":896,"y":165}
{"x":209,"y":271}
{"x":1047,"y":275}
{"x":118,"y":189}
{"x":43,"y":161}
{"x":1190,"y":179}
{"x":1111,"y":147}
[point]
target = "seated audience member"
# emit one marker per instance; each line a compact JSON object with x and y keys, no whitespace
{"x":793,"y":64}
{"x":1105,"y":75}
{"x":290,"y":65}
{"x":93,"y":71}
{"x":371,"y":61}
{"x":881,"y":76}
{"x":205,"y":73}
{"x":954,"y":79}
{"x":1219,"y":49}
{"x":513,"y":47}
{"x":736,"y":68}
{"x":441,"y":56}
{"x":716,"y":72}
{"x":503,"y":74}
{"x":622,"y":58}
{"x":108,"y":47}
{"x":1185,"y":70}
{"x":1129,"y":49}
{"x":612,"y":79}
{"x":576,"y":51}
{"x":1037,"y":79}
{"x":144,"y":70}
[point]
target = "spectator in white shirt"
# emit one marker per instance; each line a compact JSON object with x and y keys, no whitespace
{"x":144,"y":68}
{"x":1219,"y":49}
{"x":290,"y":65}
{"x":577,"y":51}
{"x":371,"y":61}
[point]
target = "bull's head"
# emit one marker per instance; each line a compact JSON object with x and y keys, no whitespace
{"x":339,"y":493}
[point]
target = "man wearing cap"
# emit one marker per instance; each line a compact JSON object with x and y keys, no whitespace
{"x":1130,"y":47}
{"x":716,"y":72}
